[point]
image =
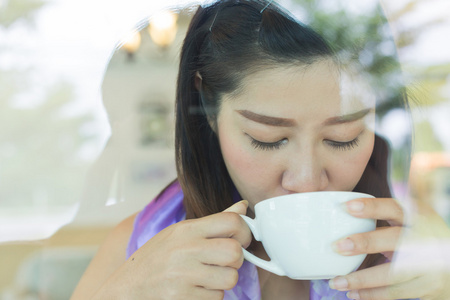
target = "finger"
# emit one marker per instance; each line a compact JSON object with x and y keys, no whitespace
{"x":215,"y":277}
{"x":383,"y":239}
{"x":377,"y":276}
{"x":221,"y":252}
{"x":424,"y":287}
{"x":377,"y":208}
{"x":239,"y":207}
{"x":223,"y":225}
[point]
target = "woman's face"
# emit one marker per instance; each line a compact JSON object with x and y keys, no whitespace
{"x":295,"y":129}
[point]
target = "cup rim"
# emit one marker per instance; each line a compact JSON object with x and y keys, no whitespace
{"x":282,"y":197}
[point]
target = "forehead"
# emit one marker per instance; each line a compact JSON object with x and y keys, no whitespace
{"x":321,"y":86}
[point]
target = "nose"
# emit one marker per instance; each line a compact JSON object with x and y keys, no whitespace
{"x":304,"y":173}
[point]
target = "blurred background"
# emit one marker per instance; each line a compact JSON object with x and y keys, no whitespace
{"x":86,"y":115}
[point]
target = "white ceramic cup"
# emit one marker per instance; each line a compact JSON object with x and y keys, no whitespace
{"x":297,"y":232}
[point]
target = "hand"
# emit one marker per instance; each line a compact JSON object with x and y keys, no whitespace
{"x":412,"y":273}
{"x":193,"y":259}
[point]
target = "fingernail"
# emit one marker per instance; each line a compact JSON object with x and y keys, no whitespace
{"x":338,"y":283}
{"x":355,"y":206}
{"x":343,"y":246}
{"x":245,"y":202}
{"x":353,"y":295}
{"x":235,"y":206}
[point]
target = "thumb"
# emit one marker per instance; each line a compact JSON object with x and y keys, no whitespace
{"x":239,"y":207}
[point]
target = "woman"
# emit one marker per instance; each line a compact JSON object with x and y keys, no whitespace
{"x":265,"y":107}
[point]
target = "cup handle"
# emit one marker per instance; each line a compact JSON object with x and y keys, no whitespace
{"x":270,"y":266}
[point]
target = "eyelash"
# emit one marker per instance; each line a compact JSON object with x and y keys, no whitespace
{"x":341,"y":146}
{"x":267,"y":146}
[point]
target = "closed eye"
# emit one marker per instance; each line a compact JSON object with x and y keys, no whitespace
{"x":344,"y":145}
{"x":259,"y":145}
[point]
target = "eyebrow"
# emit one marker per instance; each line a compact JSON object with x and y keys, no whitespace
{"x":347,"y":118}
{"x":283,"y":122}
{"x":271,"y":121}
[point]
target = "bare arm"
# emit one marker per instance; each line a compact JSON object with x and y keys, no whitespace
{"x":109,"y":258}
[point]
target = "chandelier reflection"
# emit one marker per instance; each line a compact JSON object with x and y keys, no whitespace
{"x":162,"y":29}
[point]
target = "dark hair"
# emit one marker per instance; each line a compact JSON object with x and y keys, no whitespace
{"x":226,"y":42}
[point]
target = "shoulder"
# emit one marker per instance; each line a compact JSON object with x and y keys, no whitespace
{"x":128,"y":236}
{"x":166,"y":209}
{"x":110,"y":256}
{"x":113,"y":250}
{"x":123,"y":230}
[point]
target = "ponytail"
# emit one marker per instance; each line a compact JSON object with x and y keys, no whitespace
{"x":202,"y":174}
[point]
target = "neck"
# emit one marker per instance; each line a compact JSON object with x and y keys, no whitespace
{"x":278,"y":287}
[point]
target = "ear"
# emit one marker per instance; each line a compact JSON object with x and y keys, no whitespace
{"x":198,"y":81}
{"x":212,"y":125}
{"x":198,"y":84}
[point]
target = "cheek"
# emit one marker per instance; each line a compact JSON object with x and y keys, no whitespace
{"x":236,"y":159}
{"x":241,"y":165}
{"x":349,"y":170}
{"x":249,"y":173}
{"x":366,"y":152}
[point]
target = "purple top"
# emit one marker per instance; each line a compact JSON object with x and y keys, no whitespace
{"x":168,"y":209}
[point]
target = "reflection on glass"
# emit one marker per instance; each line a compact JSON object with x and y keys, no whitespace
{"x":163,"y":28}
{"x":55,"y":163}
